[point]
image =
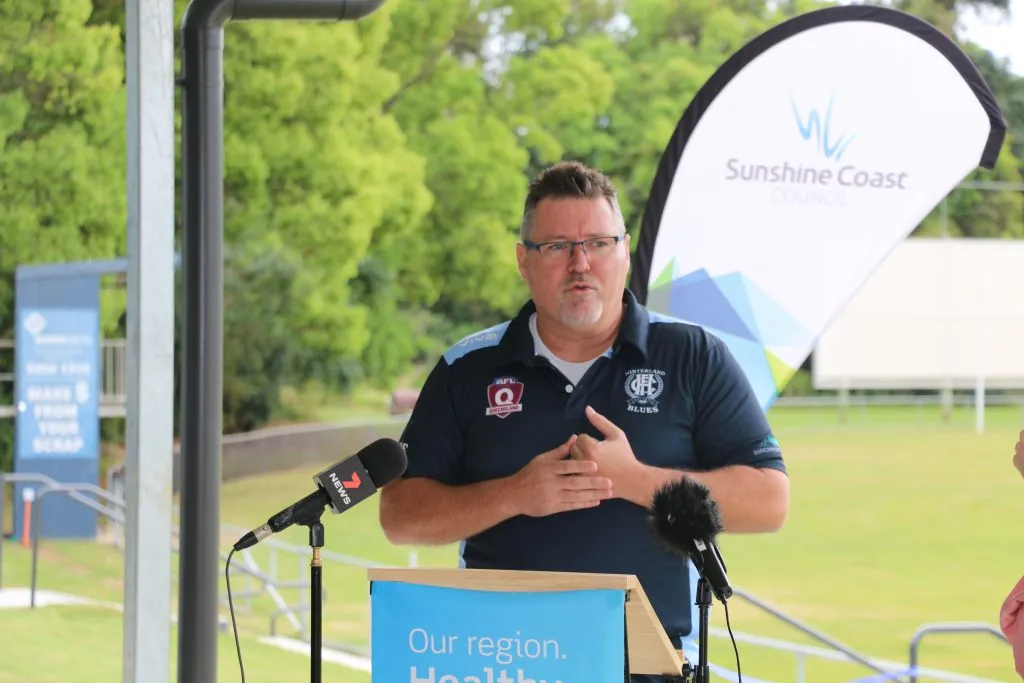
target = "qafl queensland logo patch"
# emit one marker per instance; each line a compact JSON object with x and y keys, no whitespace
{"x":504,"y":397}
{"x":643,"y":388}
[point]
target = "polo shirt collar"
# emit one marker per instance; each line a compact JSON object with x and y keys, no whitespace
{"x":517,"y":342}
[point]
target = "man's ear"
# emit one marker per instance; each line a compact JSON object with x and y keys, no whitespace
{"x":521,"y":260}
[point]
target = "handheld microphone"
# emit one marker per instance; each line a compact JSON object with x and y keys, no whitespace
{"x":686,"y":518}
{"x":340,"y":487}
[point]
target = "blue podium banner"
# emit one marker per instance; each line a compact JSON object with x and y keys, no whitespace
{"x":57,"y":360}
{"x":430,"y":634}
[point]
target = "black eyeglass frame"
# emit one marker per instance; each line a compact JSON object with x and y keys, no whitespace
{"x":572,"y":244}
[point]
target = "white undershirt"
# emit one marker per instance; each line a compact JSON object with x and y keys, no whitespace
{"x":573,"y":371}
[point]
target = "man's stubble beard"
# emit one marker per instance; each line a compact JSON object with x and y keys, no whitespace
{"x":577,"y":311}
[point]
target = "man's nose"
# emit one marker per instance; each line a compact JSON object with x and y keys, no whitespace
{"x":578,"y":259}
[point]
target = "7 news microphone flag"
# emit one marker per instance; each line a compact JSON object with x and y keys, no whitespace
{"x":797,"y":168}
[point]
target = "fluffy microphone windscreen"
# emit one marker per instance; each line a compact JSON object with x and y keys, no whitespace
{"x":682,"y":511}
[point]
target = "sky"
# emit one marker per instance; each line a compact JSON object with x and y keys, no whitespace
{"x":1000,"y":35}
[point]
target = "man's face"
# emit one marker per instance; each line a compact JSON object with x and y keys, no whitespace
{"x":577,"y":288}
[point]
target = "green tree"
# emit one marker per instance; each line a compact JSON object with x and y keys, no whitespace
{"x":992,"y":212}
{"x":262,"y":284}
{"x":658,"y":54}
{"x":985,"y":213}
{"x":311,"y":164}
{"x":62,"y":168}
{"x":62,"y":171}
{"x":1008,"y":88}
{"x":375,"y":171}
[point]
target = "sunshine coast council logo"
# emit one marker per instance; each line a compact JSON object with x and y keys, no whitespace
{"x":816,"y":162}
{"x":817,"y":125}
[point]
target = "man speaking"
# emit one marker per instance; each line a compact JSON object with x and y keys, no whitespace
{"x":539,"y":443}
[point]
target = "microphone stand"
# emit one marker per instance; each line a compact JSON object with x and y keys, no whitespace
{"x":316,"y":541}
{"x":701,"y":673}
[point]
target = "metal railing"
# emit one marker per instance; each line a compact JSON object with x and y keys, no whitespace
{"x":114,"y":371}
{"x":838,"y":651}
{"x":113,"y":377}
{"x":810,"y":631}
{"x":946,"y":627}
{"x":250,"y":569}
{"x":269,"y":582}
{"x":893,"y":671}
{"x":73,"y":491}
{"x":258,"y":581}
{"x":901,"y":400}
{"x":7,"y":349}
{"x":297,"y":614}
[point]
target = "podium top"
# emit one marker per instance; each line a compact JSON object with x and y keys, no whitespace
{"x":649,"y":649}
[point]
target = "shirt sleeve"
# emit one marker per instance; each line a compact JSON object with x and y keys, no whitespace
{"x":432,"y":438}
{"x":731,"y":427}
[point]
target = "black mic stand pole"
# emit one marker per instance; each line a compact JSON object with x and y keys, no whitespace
{"x":316,"y":541}
{"x":703,"y":671}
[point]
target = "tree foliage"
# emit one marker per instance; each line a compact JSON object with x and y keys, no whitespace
{"x":62,"y":170}
{"x":375,"y":171}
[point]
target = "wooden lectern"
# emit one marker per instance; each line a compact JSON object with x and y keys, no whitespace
{"x":648,"y":648}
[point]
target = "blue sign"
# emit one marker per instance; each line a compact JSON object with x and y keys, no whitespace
{"x":57,"y":360}
{"x":431,"y":634}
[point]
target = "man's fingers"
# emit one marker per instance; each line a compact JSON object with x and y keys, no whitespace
{"x":561,"y":451}
{"x":594,"y":496}
{"x":565,"y":501}
{"x":583,"y":483}
{"x":584,"y":447}
{"x":603,"y":424}
{"x":568,"y":500}
{"x":573,"y":467}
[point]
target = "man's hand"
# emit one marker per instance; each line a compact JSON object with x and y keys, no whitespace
{"x":1018,"y":454}
{"x":613,"y":456}
{"x":547,"y":486}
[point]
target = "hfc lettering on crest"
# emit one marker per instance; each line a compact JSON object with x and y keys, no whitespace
{"x":643,"y":388}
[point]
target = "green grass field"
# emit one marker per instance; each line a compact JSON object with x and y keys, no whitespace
{"x":897,"y":520}
{"x":891,"y":527}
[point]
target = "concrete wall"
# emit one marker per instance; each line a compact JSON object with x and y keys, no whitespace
{"x":296,"y":447}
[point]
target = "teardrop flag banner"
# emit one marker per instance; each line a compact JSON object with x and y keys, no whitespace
{"x":797,"y":168}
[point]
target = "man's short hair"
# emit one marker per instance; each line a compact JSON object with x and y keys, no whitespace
{"x":568,"y":180}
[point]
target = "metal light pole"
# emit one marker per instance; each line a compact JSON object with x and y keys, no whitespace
{"x":203,"y":326}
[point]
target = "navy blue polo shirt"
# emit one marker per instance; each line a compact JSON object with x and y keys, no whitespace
{"x":490,"y":405}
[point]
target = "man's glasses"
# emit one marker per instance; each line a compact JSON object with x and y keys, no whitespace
{"x":593,"y":247}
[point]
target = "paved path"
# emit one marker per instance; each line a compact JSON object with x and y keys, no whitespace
{"x":20,"y":598}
